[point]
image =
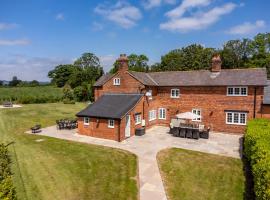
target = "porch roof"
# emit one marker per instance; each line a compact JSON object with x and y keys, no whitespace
{"x":112,"y":106}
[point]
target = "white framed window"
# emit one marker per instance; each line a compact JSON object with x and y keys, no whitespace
{"x":175,"y":93}
{"x":149,"y":94}
{"x":111,"y":123}
{"x":86,"y":120}
{"x":152,"y":115}
{"x":197,"y":112}
{"x":116,"y":81}
{"x":161,"y":113}
{"x":138,"y":118}
{"x":237,"y":91}
{"x":237,"y":118}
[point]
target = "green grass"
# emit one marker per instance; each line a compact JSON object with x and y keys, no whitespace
{"x":190,"y":175}
{"x":39,"y":94}
{"x":59,"y":169}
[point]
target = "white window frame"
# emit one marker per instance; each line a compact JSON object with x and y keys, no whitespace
{"x":196,"y":111}
{"x":152,"y":115}
{"x":138,"y":118}
{"x":173,"y":93}
{"x":235,"y":88}
{"x":116,"y":81}
{"x":238,"y":114}
{"x":110,"y":123}
{"x":86,"y":122}
{"x":162,"y":113}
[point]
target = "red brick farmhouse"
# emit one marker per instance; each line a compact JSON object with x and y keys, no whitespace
{"x":224,"y":98}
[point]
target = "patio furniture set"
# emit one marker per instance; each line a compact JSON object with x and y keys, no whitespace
{"x":7,"y":104}
{"x":179,"y":127}
{"x":36,"y":128}
{"x":66,"y":124}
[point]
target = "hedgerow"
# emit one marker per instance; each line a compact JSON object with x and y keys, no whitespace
{"x":257,"y":151}
{"x":7,"y":190}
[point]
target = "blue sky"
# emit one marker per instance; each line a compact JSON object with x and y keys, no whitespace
{"x":36,"y":35}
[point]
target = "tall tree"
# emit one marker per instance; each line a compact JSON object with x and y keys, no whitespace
{"x":14,"y":82}
{"x":192,"y":57}
{"x":138,"y":63}
{"x":61,"y":74}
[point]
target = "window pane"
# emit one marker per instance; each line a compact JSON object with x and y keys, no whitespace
{"x":243,"y":91}
{"x":229,"y":117}
{"x":243,"y":118}
{"x":236,"y":118}
{"x":230,"y":91}
{"x":236,"y":91}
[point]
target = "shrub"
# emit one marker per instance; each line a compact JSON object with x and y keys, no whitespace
{"x":257,"y":151}
{"x":7,"y":190}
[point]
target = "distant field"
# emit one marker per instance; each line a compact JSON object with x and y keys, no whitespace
{"x":39,"y":94}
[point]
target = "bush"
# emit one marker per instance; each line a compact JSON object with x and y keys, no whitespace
{"x":257,"y":151}
{"x":7,"y":190}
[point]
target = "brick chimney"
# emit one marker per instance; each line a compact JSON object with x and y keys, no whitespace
{"x":216,"y":63}
{"x":123,"y":63}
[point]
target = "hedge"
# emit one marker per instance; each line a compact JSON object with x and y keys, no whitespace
{"x":257,"y":151}
{"x":7,"y":190}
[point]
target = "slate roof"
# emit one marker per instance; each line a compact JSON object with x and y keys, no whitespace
{"x":113,"y":106}
{"x":266,"y":96}
{"x":103,"y":79}
{"x":226,"y":77}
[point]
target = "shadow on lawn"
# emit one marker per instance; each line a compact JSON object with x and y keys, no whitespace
{"x":249,"y":184}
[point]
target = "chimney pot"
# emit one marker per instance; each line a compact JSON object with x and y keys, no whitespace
{"x":123,"y":62}
{"x":216,"y":63}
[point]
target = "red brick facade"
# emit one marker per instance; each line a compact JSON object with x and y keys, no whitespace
{"x":212,"y":101}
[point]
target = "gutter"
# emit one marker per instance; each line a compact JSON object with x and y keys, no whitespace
{"x":254,"y":102}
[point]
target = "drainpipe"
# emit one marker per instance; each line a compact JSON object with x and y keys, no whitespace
{"x":119,"y":123}
{"x":254,"y":102}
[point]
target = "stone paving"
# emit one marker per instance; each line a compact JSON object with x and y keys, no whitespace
{"x":147,"y":146}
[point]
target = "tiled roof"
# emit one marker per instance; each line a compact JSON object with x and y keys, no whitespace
{"x":238,"y":77}
{"x":103,"y":79}
{"x":114,"y":106}
{"x":266,"y":96}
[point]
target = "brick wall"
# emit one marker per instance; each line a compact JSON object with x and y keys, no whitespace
{"x":211,"y":100}
{"x":128,"y":84}
{"x":98,"y":128}
{"x":266,"y":111}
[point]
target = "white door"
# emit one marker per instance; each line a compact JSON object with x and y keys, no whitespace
{"x":127,"y":129}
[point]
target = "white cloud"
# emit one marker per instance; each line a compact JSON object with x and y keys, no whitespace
{"x":97,"y":26}
{"x":148,"y":4}
{"x":185,"y":5}
{"x":247,"y":28}
{"x":14,"y":42}
{"x":107,"y":61}
{"x":196,"y":21}
{"x":7,"y":26}
{"x":60,"y":17}
{"x":121,"y":13}
{"x":28,"y":68}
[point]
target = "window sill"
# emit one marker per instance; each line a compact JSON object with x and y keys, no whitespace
{"x":175,"y":97}
{"x":151,"y":120}
{"x":236,"y":124}
{"x":110,"y":126}
{"x":138,"y":123}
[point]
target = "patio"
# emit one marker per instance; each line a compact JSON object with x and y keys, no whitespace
{"x":147,"y":146}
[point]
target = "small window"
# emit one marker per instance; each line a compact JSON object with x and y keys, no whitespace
{"x":175,"y":93}
{"x":138,"y":118}
{"x":237,"y":118}
{"x":111,"y":123}
{"x":162,"y":113}
{"x":237,"y":91}
{"x":197,"y":112}
{"x":116,"y":81}
{"x":86,"y":120}
{"x":152,"y":115}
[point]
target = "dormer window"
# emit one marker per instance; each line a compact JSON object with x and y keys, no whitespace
{"x":116,"y":81}
{"x":237,"y":91}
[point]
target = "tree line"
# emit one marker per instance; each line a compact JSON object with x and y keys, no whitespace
{"x":79,"y":77}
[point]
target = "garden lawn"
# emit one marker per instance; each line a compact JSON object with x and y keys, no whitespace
{"x":48,"y":168}
{"x":190,"y":175}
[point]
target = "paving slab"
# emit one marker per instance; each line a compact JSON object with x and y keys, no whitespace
{"x":147,"y":146}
